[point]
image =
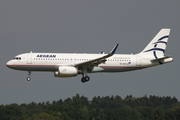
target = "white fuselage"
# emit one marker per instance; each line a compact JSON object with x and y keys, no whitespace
{"x":51,"y":62}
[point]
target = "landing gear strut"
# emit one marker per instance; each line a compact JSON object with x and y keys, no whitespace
{"x":29,"y":78}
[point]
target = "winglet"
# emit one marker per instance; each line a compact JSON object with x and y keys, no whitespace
{"x":114,"y":49}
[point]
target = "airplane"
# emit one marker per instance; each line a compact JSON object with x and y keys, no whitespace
{"x":72,"y":64}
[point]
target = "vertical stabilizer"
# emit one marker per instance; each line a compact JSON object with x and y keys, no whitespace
{"x":157,"y":46}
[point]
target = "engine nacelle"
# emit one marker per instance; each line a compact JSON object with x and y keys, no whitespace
{"x":66,"y":71}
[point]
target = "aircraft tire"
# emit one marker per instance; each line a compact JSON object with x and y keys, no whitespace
{"x":28,"y":78}
{"x":83,"y":80}
{"x":87,"y":78}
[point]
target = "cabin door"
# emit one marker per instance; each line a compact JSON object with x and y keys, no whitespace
{"x":138,"y":61}
{"x":29,"y":58}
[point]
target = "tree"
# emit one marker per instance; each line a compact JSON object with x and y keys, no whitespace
{"x":158,"y":114}
{"x":43,"y":116}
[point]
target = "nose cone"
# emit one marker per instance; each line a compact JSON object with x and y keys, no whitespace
{"x":9,"y":64}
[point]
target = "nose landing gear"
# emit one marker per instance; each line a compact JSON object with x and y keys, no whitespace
{"x":29,"y":78}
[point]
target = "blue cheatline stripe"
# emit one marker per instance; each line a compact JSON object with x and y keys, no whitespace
{"x":163,"y":38}
{"x":155,"y":45}
{"x":155,"y":55}
{"x":154,"y":52}
{"x":155,"y":49}
{"x":160,"y":42}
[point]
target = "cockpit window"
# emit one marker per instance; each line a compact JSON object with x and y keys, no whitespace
{"x":17,"y":58}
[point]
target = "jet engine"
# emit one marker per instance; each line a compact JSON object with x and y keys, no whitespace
{"x":66,"y":71}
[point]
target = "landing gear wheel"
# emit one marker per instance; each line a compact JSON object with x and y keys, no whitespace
{"x":28,"y":78}
{"x":87,"y":78}
{"x":83,"y":80}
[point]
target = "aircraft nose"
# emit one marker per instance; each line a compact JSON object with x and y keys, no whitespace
{"x":9,"y":63}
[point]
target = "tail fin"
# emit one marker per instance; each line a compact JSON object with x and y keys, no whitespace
{"x":158,"y":44}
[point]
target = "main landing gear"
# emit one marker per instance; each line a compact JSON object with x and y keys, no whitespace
{"x":85,"y":79}
{"x":29,"y":78}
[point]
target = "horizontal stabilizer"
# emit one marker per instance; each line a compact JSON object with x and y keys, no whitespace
{"x":165,"y":57}
{"x":163,"y":60}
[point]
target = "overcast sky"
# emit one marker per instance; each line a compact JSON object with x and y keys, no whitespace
{"x":83,"y":26}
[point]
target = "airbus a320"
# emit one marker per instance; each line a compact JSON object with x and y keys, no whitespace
{"x":73,"y":64}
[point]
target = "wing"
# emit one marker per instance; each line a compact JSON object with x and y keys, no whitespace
{"x":97,"y":61}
